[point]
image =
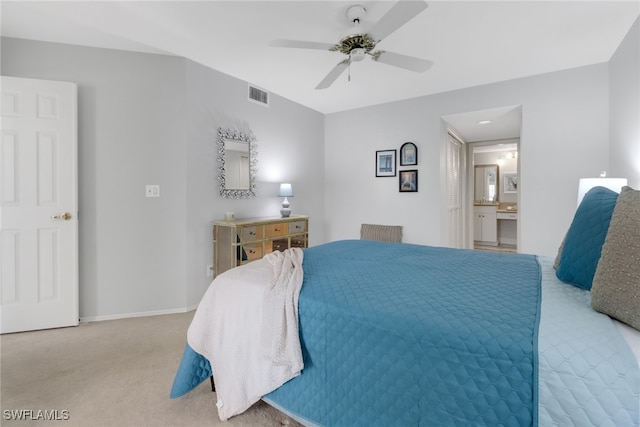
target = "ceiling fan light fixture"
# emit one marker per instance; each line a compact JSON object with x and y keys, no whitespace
{"x":357,"y":54}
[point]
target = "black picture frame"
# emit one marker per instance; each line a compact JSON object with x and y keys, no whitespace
{"x":386,"y":163}
{"x":408,"y":154}
{"x":408,"y":181}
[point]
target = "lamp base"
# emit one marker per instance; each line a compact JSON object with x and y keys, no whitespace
{"x":285,"y":212}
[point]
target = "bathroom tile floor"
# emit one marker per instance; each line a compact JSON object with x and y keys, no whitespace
{"x":499,"y":248}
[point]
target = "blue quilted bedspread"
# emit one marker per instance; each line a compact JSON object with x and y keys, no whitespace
{"x":401,"y":334}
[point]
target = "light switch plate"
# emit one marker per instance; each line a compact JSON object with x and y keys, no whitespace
{"x":152,"y":191}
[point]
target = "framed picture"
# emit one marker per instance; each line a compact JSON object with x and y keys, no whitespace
{"x":409,"y":181}
{"x":510,"y":182}
{"x":408,"y":154}
{"x":386,"y":163}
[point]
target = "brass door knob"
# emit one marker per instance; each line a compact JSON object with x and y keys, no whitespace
{"x":64,"y":216}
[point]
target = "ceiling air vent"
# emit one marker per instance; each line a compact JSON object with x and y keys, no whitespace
{"x":258,"y":95}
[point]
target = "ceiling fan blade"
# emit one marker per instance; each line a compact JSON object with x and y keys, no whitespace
{"x":301,"y":44}
{"x":403,"y":61}
{"x":401,"y":13}
{"x":333,"y":74}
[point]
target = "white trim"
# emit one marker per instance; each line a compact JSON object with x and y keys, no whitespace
{"x":139,"y":314}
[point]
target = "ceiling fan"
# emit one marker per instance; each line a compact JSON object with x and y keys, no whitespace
{"x":358,"y":45}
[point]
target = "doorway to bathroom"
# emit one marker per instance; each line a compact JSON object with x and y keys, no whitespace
{"x":494,"y":171}
{"x":488,"y":178}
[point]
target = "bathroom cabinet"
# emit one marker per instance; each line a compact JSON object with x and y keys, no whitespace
{"x":485,"y":225}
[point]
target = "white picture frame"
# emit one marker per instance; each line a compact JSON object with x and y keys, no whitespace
{"x":510,"y":183}
{"x":385,"y":163}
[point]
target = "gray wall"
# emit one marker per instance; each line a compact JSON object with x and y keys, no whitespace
{"x":290,"y":141}
{"x":625,"y":108}
{"x":152,"y":119}
{"x":565,"y":131}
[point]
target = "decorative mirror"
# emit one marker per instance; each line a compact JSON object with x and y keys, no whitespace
{"x":486,"y":184}
{"x":237,"y":156}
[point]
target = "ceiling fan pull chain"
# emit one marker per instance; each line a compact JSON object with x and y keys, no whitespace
{"x":349,"y":73}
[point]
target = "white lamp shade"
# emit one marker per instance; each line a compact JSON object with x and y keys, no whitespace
{"x":286,"y":190}
{"x":587,"y":184}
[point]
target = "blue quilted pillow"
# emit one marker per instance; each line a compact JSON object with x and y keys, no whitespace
{"x":584,"y":240}
{"x":193,"y":370}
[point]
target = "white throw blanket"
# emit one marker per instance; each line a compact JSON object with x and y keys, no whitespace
{"x":247,"y":326}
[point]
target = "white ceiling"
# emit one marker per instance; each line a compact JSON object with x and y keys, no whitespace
{"x":471,"y":43}
{"x":503,"y":123}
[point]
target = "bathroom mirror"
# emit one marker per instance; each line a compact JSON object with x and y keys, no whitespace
{"x":486,"y":183}
{"x":237,"y":156}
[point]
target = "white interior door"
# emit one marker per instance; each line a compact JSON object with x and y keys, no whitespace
{"x":38,"y":205}
{"x":455,"y":190}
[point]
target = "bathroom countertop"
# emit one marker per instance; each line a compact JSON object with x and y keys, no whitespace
{"x":485,"y":204}
{"x":500,"y":207}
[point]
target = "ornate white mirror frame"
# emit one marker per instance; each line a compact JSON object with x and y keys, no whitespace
{"x":228,"y":135}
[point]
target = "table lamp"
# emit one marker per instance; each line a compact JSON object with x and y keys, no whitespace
{"x":586,"y":184}
{"x":285,"y":191}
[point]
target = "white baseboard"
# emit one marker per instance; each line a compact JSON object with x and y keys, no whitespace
{"x":139,"y":314}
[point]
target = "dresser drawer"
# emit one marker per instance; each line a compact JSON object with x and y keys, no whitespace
{"x":274,"y":230}
{"x":298,"y":242}
{"x":249,"y":234}
{"x":297,"y":227}
{"x":253,"y":251}
{"x":281,"y":245}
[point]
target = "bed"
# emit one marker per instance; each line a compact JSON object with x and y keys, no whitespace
{"x":403,"y":334}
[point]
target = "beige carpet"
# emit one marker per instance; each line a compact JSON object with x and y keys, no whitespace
{"x":111,"y":373}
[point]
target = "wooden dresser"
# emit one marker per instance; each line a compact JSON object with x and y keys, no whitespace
{"x":241,"y":241}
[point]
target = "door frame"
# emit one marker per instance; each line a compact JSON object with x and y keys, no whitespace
{"x":506,"y":123}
